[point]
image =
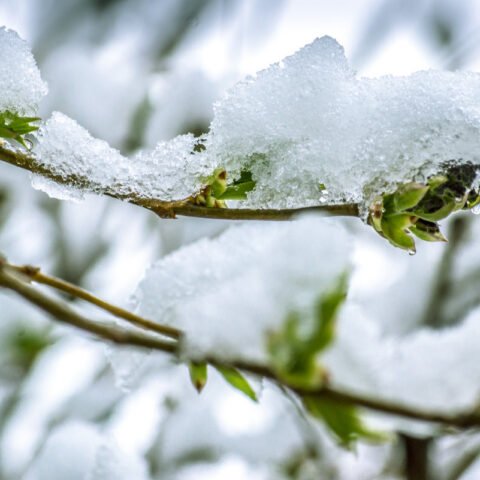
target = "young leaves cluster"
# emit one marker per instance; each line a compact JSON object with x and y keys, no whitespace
{"x":15,"y":127}
{"x":217,"y":190}
{"x":294,"y":353}
{"x":294,"y":349}
{"x":416,"y":208}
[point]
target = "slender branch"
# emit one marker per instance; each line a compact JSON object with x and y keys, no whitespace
{"x":164,"y":209}
{"x":65,"y":314}
{"x":470,"y":419}
{"x":59,"y":310}
{"x":443,"y":282}
{"x":416,"y":457}
{"x":344,"y":210}
{"x":35,"y":275}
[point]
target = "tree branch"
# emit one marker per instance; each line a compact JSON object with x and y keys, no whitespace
{"x":14,"y":279}
{"x":443,"y":282}
{"x":35,"y":275}
{"x":164,"y":209}
{"x":65,"y":314}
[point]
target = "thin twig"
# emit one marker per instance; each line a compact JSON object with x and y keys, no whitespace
{"x":35,"y":275}
{"x":164,"y":209}
{"x":62,"y":312}
{"x":344,"y":210}
{"x":443,"y":282}
{"x":65,"y":314}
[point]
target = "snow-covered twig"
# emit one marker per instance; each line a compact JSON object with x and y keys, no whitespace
{"x":166,"y":209}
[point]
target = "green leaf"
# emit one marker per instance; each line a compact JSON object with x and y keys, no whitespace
{"x":342,"y":419}
{"x":395,"y":230}
{"x":326,"y":315}
{"x":439,"y":214}
{"x":409,"y":195}
{"x":239,"y":188}
{"x":14,"y":127}
{"x":26,"y":343}
{"x":198,"y":375}
{"x":293,"y":357}
{"x":436,"y":181}
{"x":473,"y":200}
{"x":237,"y":380}
{"x":238,"y":192}
{"x":427,"y":231}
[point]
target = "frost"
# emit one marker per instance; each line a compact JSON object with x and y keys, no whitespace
{"x":20,"y":82}
{"x":169,"y":172}
{"x":308,"y":123}
{"x":226,"y":293}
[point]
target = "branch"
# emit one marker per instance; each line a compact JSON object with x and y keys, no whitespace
{"x":65,"y":314}
{"x":164,"y":209}
{"x":35,"y":275}
{"x":13,"y":279}
{"x":443,"y":283}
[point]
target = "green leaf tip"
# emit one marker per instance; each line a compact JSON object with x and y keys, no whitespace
{"x":342,"y":420}
{"x":237,"y":381}
{"x":198,"y":375}
{"x":414,"y":208}
{"x":15,"y":127}
{"x":409,"y":195}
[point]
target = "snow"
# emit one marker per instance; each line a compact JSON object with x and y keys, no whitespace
{"x":227,"y":293}
{"x":436,"y":370}
{"x":169,"y":172}
{"x":308,"y":129}
{"x":20,"y":82}
{"x":308,"y":121}
{"x":77,"y":450}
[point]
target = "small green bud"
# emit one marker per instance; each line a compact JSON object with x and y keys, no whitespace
{"x":219,"y":183}
{"x":198,"y":375}
{"x":376,"y":214}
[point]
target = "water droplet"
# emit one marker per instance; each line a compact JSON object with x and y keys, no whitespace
{"x":411,"y":251}
{"x":476,"y":209}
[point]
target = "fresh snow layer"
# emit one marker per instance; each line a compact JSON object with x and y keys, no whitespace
{"x":308,"y":129}
{"x":229,"y":292}
{"x":20,"y":84}
{"x":428,"y":369}
{"x":308,"y":122}
{"x":167,"y":173}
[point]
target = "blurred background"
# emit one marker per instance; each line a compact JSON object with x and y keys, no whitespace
{"x":134,"y":72}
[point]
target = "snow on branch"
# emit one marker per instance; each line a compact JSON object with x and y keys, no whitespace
{"x":305,"y":132}
{"x":20,"y":84}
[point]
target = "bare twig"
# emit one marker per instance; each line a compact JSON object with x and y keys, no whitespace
{"x":164,"y":209}
{"x":35,"y":275}
{"x":65,"y":314}
{"x":416,"y":457}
